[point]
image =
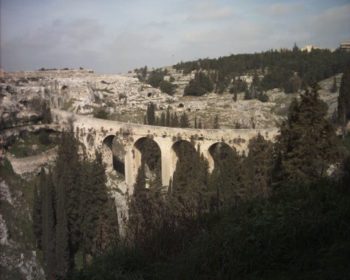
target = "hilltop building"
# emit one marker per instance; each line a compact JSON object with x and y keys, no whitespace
{"x":345,"y":46}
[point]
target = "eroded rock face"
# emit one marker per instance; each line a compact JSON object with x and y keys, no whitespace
{"x":17,"y":259}
{"x":80,"y":91}
{"x":125,"y":98}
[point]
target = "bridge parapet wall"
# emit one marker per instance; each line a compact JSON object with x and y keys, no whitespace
{"x":92,"y":132}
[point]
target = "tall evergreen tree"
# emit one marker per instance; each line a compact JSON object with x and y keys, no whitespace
{"x":258,"y":167}
{"x":307,"y":143}
{"x":48,"y":224}
{"x":68,"y":172}
{"x":174,"y":121}
{"x":334,"y":87}
{"x":168,"y":118}
{"x":67,"y":178}
{"x":216,"y":124}
{"x":184,"y":121}
{"x":94,"y":204}
{"x":37,"y":213}
{"x":107,"y":230}
{"x":162,"y":119}
{"x":225,"y":186}
{"x":62,"y":252}
{"x":344,"y":99}
{"x":190,"y":183}
{"x":151,"y":117}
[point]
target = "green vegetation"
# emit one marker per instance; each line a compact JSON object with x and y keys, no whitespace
{"x":308,"y":145}
{"x":276,"y":213}
{"x":166,"y":118}
{"x":200,"y":85}
{"x":344,"y":99}
{"x":72,"y":213}
{"x":156,"y":79}
{"x":31,"y":144}
{"x":273,"y":214}
{"x":101,"y":113}
{"x":167,"y":87}
{"x":286,"y":69}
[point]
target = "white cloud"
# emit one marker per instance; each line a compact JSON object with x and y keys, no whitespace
{"x":283,"y":9}
{"x":330,"y":26}
{"x":209,"y":10}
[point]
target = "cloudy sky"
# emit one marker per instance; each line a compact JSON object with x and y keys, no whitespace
{"x":112,"y":36}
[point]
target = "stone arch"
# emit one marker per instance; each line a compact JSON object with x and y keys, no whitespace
{"x":179,"y":147}
{"x":217,"y":152}
{"x":113,"y":155}
{"x":187,"y":145}
{"x":148,"y":150}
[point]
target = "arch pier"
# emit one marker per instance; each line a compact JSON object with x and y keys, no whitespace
{"x":125,"y":145}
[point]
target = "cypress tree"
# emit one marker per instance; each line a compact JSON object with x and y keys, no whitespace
{"x":184,"y":121}
{"x":200,"y":124}
{"x":68,"y":170}
{"x":224,"y":185}
{"x":137,"y":224}
{"x":94,"y":204}
{"x":216,"y":122}
{"x":62,"y":252}
{"x":67,"y":175}
{"x":48,"y":224}
{"x":258,"y":167}
{"x":344,"y":99}
{"x":334,"y":87}
{"x":190,"y":182}
{"x":168,"y":118}
{"x":162,"y":119}
{"x":151,"y":117}
{"x":37,"y":213}
{"x":174,"y":121}
{"x":107,"y":230}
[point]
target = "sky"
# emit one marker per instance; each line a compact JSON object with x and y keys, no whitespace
{"x":114,"y":36}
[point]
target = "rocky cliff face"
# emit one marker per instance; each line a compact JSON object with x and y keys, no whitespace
{"x":18,"y":255}
{"x":25,"y":95}
{"x":80,"y":91}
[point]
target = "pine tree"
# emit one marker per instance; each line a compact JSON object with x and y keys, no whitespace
{"x":307,"y":144}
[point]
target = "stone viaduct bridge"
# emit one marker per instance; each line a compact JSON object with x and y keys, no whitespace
{"x":120,"y":142}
